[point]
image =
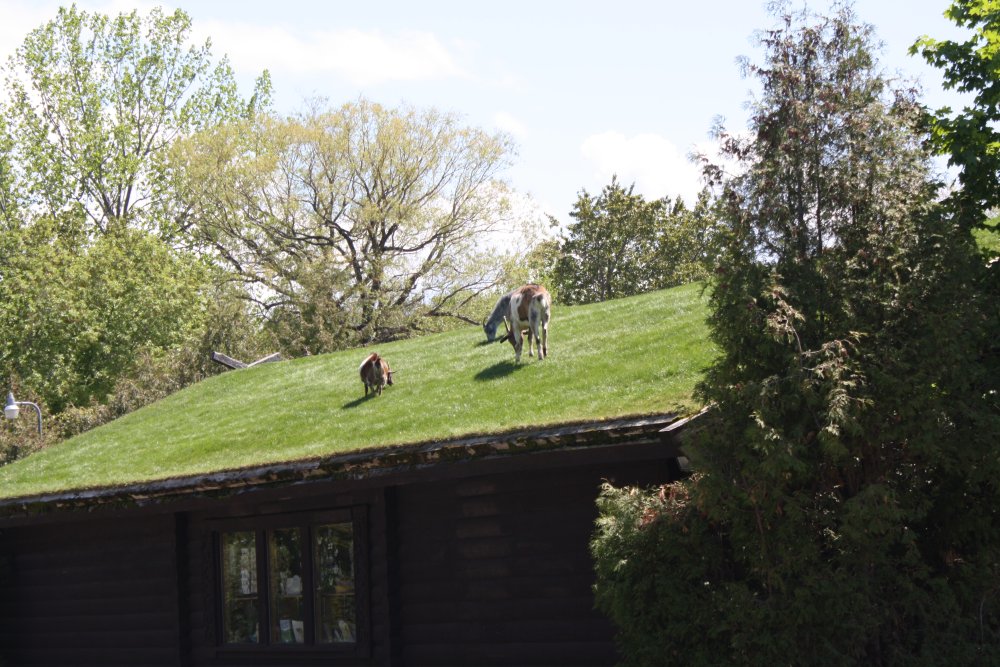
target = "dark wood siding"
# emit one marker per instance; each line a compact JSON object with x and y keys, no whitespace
{"x":90,"y":592}
{"x":495,"y":570}
{"x":472,"y":563}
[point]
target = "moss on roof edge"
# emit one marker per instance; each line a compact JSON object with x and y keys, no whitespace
{"x":357,"y":465}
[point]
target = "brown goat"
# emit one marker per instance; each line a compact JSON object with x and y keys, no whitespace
{"x":375,"y":373}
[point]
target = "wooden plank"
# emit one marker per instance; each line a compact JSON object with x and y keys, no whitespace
{"x":274,"y":356}
{"x":523,"y":654}
{"x":496,"y":569}
{"x":226,"y":361}
{"x":49,"y":563}
{"x":505,"y":629}
{"x":55,"y":654}
{"x":90,"y":592}
{"x":120,"y":621}
{"x":577,"y":608}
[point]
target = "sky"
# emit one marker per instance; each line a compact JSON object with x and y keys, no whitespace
{"x":587,"y":89}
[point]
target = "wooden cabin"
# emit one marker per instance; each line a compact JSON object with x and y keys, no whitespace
{"x":469,"y":551}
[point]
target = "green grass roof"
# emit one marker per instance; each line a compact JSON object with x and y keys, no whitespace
{"x":635,"y":356}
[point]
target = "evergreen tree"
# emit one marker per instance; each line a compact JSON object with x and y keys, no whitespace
{"x":607,"y":253}
{"x":843,"y":509}
{"x":620,"y":244}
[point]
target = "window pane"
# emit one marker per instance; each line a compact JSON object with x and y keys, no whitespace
{"x":239,"y":588}
{"x":336,"y":618}
{"x":285,"y":577}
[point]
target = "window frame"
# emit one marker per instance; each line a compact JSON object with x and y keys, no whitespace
{"x":306,"y":522}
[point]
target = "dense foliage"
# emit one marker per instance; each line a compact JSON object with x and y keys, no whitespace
{"x":76,"y":316}
{"x":619,"y":244}
{"x":844,"y":506}
{"x":969,"y":136}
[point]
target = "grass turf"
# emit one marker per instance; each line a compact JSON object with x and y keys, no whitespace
{"x":635,"y":356}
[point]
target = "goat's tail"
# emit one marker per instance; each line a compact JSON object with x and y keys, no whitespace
{"x":371,"y":358}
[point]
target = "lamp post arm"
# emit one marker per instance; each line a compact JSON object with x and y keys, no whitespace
{"x":38,"y":410}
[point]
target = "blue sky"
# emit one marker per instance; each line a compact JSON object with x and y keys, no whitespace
{"x":587,"y":89}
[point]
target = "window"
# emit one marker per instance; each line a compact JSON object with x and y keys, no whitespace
{"x":292,"y":580}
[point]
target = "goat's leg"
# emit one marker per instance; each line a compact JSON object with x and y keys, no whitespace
{"x":533,"y":333}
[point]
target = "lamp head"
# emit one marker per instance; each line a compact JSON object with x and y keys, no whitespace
{"x":11,"y":409}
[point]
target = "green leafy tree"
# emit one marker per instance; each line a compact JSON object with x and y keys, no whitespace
{"x":970,"y":136}
{"x":41,"y":275}
{"x":687,"y":242}
{"x":78,"y":316}
{"x":537,"y":265}
{"x":609,"y":246}
{"x":360,"y":223}
{"x":10,"y":195}
{"x":620,"y":244}
{"x":96,"y":101}
{"x":101,"y":289}
{"x":843,"y":509}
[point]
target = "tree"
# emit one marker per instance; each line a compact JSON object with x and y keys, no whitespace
{"x":362,"y":220}
{"x":843,"y":506}
{"x":95,"y":103}
{"x":687,"y":242}
{"x":620,"y":245}
{"x":78,"y":315}
{"x":607,"y":252}
{"x":99,"y":286}
{"x":10,"y":195}
{"x":969,"y":137}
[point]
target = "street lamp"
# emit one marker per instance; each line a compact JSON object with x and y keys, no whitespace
{"x":12,"y":409}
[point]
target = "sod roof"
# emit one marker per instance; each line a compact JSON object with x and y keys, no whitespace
{"x":628,"y":358}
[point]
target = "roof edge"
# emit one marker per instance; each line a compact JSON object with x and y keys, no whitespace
{"x":357,"y":465}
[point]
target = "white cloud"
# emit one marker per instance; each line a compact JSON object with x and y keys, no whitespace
{"x":362,"y":58}
{"x":510,"y":124}
{"x":656,"y":166}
